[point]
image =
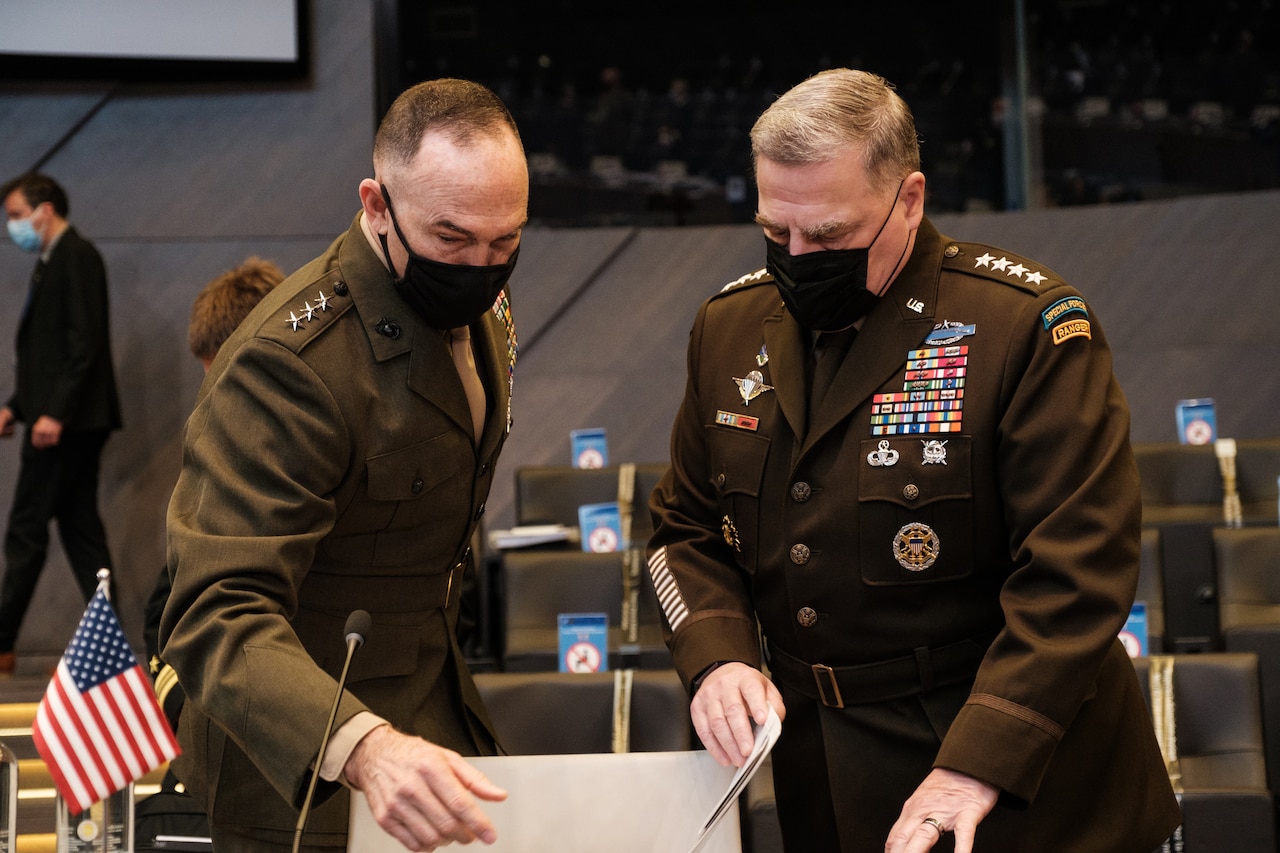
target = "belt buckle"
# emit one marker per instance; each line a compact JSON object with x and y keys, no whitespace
{"x":823,"y":673}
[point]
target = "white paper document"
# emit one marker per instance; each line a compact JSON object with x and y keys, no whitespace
{"x":641,"y":802}
{"x":532,"y":534}
{"x":766,"y":737}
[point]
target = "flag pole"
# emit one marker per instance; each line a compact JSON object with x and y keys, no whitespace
{"x":104,"y":586}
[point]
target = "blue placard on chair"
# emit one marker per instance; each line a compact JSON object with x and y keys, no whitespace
{"x":590,"y":447}
{"x":1197,"y":421}
{"x":600,"y":526}
{"x":584,"y":642}
{"x":1134,"y":634}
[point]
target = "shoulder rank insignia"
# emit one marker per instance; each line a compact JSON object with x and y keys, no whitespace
{"x":309,"y":312}
{"x":1010,"y":268}
{"x":750,"y":278}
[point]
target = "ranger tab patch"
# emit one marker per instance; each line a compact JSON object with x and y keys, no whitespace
{"x":1071,"y":329}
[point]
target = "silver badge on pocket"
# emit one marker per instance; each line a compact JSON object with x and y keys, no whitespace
{"x":882,"y":456}
{"x":916,"y":546}
{"x":935,"y":452}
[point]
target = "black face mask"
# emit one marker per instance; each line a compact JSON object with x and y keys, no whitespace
{"x":446,"y":296}
{"x":825,"y":291}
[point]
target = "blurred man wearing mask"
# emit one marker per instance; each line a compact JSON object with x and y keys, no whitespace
{"x":66,"y":394}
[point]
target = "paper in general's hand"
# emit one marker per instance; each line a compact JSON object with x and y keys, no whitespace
{"x":766,"y":737}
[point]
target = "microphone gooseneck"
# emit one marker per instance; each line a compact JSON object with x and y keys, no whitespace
{"x":356,"y":629}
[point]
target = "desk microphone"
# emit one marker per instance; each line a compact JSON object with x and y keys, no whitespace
{"x":358,"y":625}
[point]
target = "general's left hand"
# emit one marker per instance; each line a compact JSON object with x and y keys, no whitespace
{"x":956,"y":801}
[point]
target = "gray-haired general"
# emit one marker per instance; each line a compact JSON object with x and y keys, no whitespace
{"x":902,"y":483}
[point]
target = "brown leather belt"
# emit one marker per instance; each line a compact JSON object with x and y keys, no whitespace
{"x":838,"y":686}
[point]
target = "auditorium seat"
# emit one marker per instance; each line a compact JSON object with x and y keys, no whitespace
{"x":1248,"y":564}
{"x":551,"y":494}
{"x":1151,"y":589}
{"x":548,"y":713}
{"x":536,"y":586}
{"x":1181,"y":482}
{"x":1219,"y":737}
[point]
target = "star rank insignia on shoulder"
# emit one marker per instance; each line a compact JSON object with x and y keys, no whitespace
{"x":310,"y":314}
{"x":997,"y":265}
{"x":760,"y":276}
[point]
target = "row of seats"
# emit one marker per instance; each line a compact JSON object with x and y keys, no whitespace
{"x":1182,"y":483}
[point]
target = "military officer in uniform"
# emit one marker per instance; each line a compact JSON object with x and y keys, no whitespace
{"x":902,"y":467}
{"x":339,"y":456}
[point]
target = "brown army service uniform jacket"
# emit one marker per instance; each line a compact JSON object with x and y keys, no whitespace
{"x":329,"y":465}
{"x":1002,"y":558}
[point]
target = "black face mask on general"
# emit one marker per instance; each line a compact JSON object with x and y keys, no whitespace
{"x":446,"y":296}
{"x":825,"y":291}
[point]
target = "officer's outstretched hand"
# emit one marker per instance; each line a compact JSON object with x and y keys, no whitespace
{"x":420,"y":793}
{"x":730,"y":698}
{"x":6,"y":421}
{"x":946,"y":801}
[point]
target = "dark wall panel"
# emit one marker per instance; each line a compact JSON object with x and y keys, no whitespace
{"x":175,"y":184}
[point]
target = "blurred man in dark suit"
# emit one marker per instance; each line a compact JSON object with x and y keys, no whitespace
{"x":65,"y":392}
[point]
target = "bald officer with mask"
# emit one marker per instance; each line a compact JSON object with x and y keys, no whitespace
{"x":339,"y":457}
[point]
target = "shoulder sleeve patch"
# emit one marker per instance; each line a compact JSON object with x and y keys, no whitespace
{"x":1066,"y":306}
{"x":998,"y":265}
{"x":1069,"y":329}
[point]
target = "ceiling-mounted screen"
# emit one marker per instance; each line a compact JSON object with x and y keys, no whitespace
{"x":93,"y":34}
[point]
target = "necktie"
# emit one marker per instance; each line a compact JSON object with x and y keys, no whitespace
{"x":465,"y":361}
{"x":829,"y":353}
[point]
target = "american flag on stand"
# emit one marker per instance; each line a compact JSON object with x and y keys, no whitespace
{"x":99,"y":727}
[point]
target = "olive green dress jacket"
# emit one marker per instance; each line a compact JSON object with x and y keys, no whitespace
{"x":958,"y":520}
{"x":329,"y":465}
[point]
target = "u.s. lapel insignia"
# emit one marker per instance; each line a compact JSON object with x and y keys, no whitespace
{"x":882,"y":456}
{"x":915,"y":305}
{"x":730,"y":533}
{"x":916,"y":546}
{"x":935,"y":452}
{"x":751,"y":386}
